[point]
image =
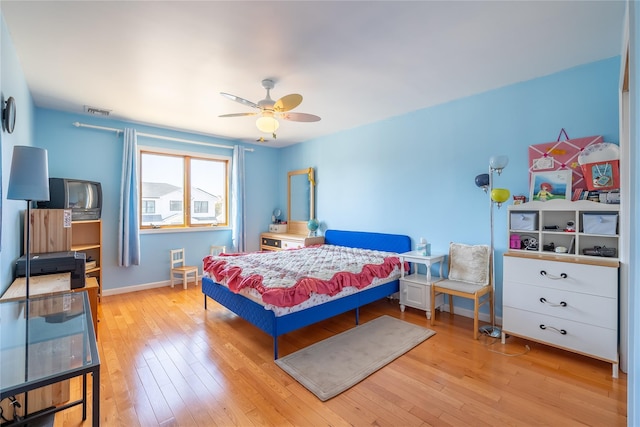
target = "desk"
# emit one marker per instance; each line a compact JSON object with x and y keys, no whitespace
{"x":415,"y":289}
{"x":40,"y":350}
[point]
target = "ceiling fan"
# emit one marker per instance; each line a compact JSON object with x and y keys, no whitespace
{"x":270,"y":110}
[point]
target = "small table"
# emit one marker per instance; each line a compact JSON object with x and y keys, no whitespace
{"x":52,"y":341}
{"x":415,"y":289}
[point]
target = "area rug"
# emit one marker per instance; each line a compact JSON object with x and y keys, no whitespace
{"x":331,"y":366}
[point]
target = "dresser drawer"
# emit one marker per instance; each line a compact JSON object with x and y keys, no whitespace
{"x":292,"y":244}
{"x":582,"y":338}
{"x":588,"y":279}
{"x":272,"y":243}
{"x":584,"y":308}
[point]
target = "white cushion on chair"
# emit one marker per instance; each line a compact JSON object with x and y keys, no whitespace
{"x":455,"y":285}
{"x":469,"y":264}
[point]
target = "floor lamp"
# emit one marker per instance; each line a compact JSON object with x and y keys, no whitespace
{"x":29,"y":181}
{"x":497,"y":196}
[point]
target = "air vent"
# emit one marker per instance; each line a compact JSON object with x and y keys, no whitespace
{"x":96,"y":111}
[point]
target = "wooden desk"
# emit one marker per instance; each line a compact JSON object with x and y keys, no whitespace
{"x":51,"y":284}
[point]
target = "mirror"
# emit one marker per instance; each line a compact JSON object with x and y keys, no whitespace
{"x":300,"y":200}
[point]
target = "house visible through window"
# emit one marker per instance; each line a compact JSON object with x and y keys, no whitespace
{"x":148,"y":206}
{"x":172,"y":181}
{"x":200,"y":206}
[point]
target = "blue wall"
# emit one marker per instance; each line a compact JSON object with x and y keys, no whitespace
{"x":12,"y":83}
{"x":97,"y":155}
{"x":414,"y":174}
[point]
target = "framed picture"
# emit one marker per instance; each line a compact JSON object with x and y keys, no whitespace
{"x":550,"y":185}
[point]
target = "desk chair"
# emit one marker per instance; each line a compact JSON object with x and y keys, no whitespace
{"x":178,"y":268}
{"x":469,"y":277}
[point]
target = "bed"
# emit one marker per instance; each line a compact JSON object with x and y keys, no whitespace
{"x":276,"y":325}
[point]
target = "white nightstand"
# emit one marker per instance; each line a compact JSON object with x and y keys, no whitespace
{"x":415,"y":289}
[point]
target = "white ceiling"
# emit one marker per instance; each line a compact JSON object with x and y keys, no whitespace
{"x":354,"y":62}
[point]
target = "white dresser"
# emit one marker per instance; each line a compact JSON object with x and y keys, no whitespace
{"x":566,"y":302}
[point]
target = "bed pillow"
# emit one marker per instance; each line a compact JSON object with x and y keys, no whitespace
{"x":469,"y":263}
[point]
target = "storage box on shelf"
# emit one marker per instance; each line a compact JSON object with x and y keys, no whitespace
{"x":565,"y":299}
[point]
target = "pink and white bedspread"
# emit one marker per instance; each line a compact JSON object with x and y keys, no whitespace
{"x":283,"y":280}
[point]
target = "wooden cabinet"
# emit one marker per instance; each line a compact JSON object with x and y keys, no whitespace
{"x":53,"y":231}
{"x":86,"y":236}
{"x":280,"y":241}
{"x":570,"y":303}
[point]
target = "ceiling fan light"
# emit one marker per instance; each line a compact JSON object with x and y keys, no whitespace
{"x":267,"y":124}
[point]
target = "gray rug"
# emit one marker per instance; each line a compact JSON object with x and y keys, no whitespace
{"x":331,"y":366}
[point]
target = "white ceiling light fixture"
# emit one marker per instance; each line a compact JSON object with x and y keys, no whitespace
{"x":267,"y":124}
{"x":271,"y":110}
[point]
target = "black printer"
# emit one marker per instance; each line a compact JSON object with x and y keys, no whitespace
{"x":55,"y":262}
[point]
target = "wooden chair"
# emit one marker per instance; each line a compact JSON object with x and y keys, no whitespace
{"x":469,"y":277}
{"x":217,"y":250}
{"x":178,"y":268}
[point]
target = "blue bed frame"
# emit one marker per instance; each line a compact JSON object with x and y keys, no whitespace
{"x":275,"y":326}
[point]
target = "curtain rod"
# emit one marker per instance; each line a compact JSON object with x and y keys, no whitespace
{"x":150,"y":135}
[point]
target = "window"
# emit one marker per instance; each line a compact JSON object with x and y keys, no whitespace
{"x":148,"y":206}
{"x":200,"y":206}
{"x":183,"y":190}
{"x":175,"y":205}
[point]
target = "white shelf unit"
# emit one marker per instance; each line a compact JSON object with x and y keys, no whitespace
{"x":544,"y":216}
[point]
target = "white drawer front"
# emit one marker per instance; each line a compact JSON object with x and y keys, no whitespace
{"x":291,"y":244}
{"x":586,"y":339}
{"x":588,"y":279}
{"x":590,"y":309}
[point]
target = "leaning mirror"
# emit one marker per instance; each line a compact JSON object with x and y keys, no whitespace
{"x":300,"y":202}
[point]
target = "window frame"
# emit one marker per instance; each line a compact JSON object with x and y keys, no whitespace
{"x":186,"y":156}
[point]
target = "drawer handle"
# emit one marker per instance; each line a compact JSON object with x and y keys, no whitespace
{"x":560,"y":331}
{"x":551,"y":276}
{"x":544,"y":301}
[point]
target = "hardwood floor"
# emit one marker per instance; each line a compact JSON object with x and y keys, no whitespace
{"x":168,"y":362}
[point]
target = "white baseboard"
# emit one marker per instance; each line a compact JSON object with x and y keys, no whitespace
{"x":145,"y":286}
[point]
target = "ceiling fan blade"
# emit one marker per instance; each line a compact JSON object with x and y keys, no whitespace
{"x":299,"y":117}
{"x":287,"y":102}
{"x":240,"y":100}
{"x":238,"y":114}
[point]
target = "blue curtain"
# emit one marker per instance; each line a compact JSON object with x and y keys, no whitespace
{"x":128,"y":235}
{"x":238,"y":234}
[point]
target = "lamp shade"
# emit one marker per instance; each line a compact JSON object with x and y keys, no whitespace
{"x":499,"y":195}
{"x":498,"y":162}
{"x":482,"y":180}
{"x":267,"y":124}
{"x":29,"y":178}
